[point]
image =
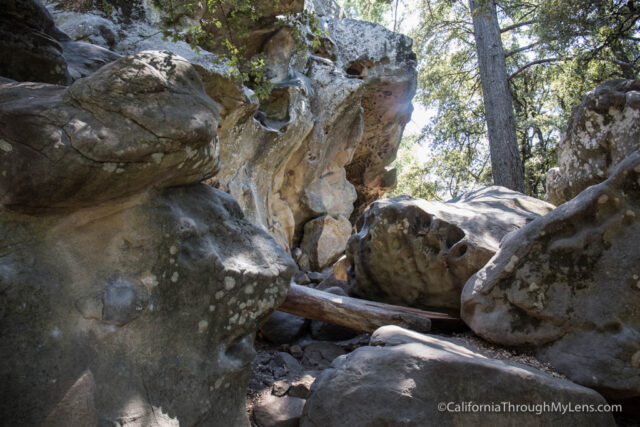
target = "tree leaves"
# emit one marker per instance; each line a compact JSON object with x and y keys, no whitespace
{"x":558,"y":51}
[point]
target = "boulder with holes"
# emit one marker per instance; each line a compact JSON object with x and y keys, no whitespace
{"x":568,"y":285}
{"x":420,"y":254}
{"x":321,"y":142}
{"x":130,"y":293}
{"x":331,"y":126}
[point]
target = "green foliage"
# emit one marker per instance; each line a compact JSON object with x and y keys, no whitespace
{"x":443,"y":175}
{"x":305,"y":28}
{"x":225,"y":27}
{"x":592,"y":31}
{"x":565,"y":49}
{"x":367,"y":10}
{"x":107,"y":7}
{"x":413,"y":177}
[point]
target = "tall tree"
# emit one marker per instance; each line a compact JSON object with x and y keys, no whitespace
{"x":555,"y":51}
{"x":501,"y":128}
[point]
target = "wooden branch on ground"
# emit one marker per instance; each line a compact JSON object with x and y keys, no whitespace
{"x":360,"y":315}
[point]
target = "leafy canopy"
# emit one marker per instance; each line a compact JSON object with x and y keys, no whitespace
{"x":557,"y":51}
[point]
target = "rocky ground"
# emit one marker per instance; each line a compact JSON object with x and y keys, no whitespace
{"x":282,"y":374}
{"x":153,"y":214}
{"x":286,"y":372}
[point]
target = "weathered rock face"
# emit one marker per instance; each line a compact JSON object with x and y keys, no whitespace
{"x":418,"y":253}
{"x":157,"y":299}
{"x":141,"y":121}
{"x":321,"y":143}
{"x":123,"y":302}
{"x":603,"y":130}
{"x":289,"y":167}
{"x":33,"y":49}
{"x":391,"y":85}
{"x":283,"y":328}
{"x":325,"y":239}
{"x":568,"y":284}
{"x":403,"y":383}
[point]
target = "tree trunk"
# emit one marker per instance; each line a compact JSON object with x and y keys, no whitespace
{"x":498,"y":105}
{"x":358,"y":314}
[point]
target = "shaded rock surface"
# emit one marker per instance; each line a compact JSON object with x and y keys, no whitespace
{"x":283,"y":328}
{"x":128,"y":297}
{"x":568,"y":284}
{"x":602,"y":131}
{"x":184,"y":268}
{"x":319,"y":354}
{"x":139,"y":122}
{"x":403,"y":382}
{"x":417,"y":253}
{"x":34,"y":49}
{"x":277,"y":389}
{"x":324,"y":240}
{"x":274,"y":411}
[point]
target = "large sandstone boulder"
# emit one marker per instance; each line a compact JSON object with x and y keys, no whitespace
{"x":321,"y":143}
{"x":315,"y":148}
{"x":418,"y":253}
{"x":568,"y":284}
{"x":603,"y":130}
{"x":124,"y":302}
{"x":421,"y":380}
{"x":141,"y":121}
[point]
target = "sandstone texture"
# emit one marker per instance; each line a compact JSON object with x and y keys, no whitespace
{"x":402,"y":380}
{"x":321,"y":144}
{"x":138,"y":122}
{"x":602,"y":131}
{"x":568,"y":285}
{"x":417,"y":253}
{"x":324,"y":240}
{"x":125,"y":302}
{"x":313,"y":148}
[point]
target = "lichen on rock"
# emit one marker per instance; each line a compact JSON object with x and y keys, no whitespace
{"x":135,"y":290}
{"x":567,"y":285}
{"x":602,"y":131}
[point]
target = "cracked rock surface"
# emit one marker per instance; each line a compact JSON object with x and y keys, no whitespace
{"x":130,"y":294}
{"x":142,"y":121}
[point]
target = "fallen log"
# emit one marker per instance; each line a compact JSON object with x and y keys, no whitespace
{"x":360,"y":315}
